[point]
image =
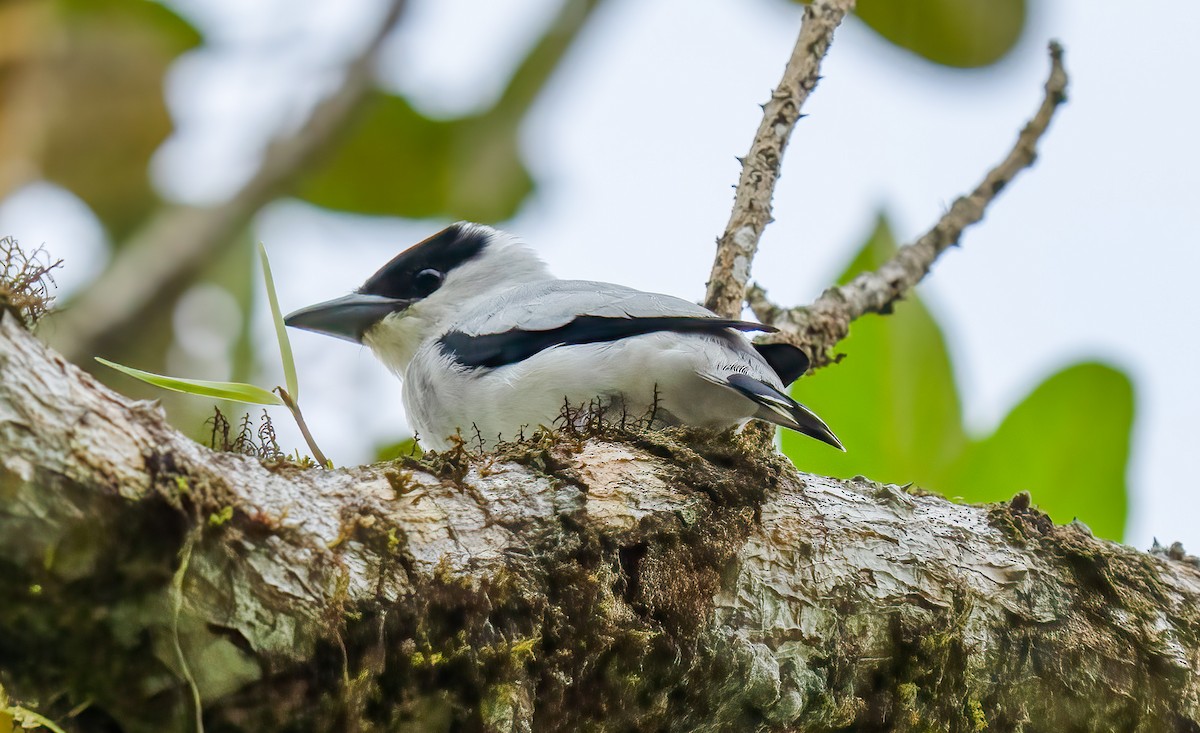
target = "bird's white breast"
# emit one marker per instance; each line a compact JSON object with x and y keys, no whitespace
{"x":502,"y":403}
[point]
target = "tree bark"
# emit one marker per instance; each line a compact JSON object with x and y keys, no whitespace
{"x":610,"y":581}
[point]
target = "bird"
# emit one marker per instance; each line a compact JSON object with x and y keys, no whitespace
{"x":489,"y":344}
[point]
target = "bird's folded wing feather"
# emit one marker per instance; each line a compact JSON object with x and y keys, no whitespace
{"x":555,"y":303}
{"x":531,"y":318}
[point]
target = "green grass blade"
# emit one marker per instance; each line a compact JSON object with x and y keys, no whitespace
{"x":235,"y":391}
{"x":285,"y":346}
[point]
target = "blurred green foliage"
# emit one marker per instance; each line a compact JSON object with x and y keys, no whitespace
{"x":105,"y":113}
{"x":1068,"y":443}
{"x":405,"y":447}
{"x":894,"y":404}
{"x":965,"y":33}
{"x":962,"y":33}
{"x":398,"y":162}
{"x":99,"y":67}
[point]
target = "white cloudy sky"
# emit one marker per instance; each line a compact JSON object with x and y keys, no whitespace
{"x":1093,"y":254}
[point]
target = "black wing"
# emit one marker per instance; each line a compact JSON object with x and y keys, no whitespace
{"x":789,"y":362}
{"x":779,"y":408}
{"x":509,"y":347}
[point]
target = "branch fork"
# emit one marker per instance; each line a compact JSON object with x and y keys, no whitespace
{"x":821,"y":325}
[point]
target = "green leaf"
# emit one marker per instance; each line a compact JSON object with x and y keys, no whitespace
{"x":964,"y":33}
{"x":403,"y":447}
{"x":1067,"y":443}
{"x":892,"y":401}
{"x":397,"y":162}
{"x":961,"y":33}
{"x":285,"y":346}
{"x":235,"y":391}
{"x":154,"y":15}
{"x":894,"y":404}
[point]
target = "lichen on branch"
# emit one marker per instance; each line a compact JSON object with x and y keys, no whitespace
{"x":26,"y":281}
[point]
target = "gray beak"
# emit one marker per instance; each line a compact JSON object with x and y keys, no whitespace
{"x":347,"y":317}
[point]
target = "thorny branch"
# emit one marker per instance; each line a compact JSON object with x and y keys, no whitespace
{"x":760,"y":168}
{"x":179,"y":239}
{"x":818,"y":327}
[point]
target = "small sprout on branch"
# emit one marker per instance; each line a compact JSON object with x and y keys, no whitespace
{"x":285,"y":344}
{"x":246,"y":393}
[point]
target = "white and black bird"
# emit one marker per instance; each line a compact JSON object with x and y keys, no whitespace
{"x":488,"y":343}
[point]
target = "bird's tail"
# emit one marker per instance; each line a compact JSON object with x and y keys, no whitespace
{"x":777,"y":407}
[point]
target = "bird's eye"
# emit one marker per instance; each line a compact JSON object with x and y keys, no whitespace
{"x":427,"y":281}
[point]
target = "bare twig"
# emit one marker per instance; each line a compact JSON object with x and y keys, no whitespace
{"x":158,"y":260}
{"x":760,"y":168}
{"x":819,"y":327}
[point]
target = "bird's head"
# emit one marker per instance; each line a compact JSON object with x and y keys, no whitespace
{"x":409,"y":298}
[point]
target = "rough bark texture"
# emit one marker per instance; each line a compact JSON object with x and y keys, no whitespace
{"x":608,"y":582}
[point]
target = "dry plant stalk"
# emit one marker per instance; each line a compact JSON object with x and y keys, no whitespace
{"x":26,"y":281}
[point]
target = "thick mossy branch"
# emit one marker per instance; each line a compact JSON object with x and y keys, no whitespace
{"x":649,"y":580}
